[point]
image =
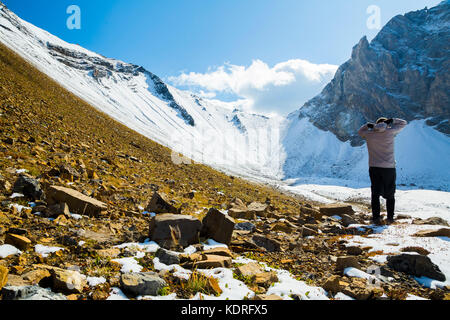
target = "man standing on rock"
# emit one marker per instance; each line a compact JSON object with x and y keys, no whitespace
{"x":380,"y":144}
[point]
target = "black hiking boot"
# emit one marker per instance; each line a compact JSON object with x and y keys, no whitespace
{"x":390,"y":221}
{"x":377,"y":222}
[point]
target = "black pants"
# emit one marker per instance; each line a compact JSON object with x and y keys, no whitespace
{"x":383,"y":185}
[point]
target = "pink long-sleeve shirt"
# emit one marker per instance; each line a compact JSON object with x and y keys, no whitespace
{"x":380,"y":142}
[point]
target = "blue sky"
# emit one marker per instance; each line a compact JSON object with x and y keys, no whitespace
{"x":225,"y":39}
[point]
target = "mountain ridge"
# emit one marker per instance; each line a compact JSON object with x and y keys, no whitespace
{"x":403,"y":72}
{"x":272,"y":150}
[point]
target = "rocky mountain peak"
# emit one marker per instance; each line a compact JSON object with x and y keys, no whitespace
{"x":403,"y":73}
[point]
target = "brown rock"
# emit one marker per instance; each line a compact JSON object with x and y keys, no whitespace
{"x":77,"y":202}
{"x":336,"y":209}
{"x":5,"y":186}
{"x":241,"y":214}
{"x":218,"y":226}
{"x":347,"y":262}
{"x":100,"y":295}
{"x":92,"y":174}
{"x":68,"y":173}
{"x":265,"y":279}
{"x":67,"y":281}
{"x":108,"y":253}
{"x":239,"y":210}
{"x":225,"y":252}
{"x":21,"y":242}
{"x":270,"y":245}
{"x":57,"y":210}
{"x":444,"y":232}
{"x":158,"y":205}
{"x":348,"y":220}
{"x":334,"y":284}
{"x":416,"y":265}
{"x":307,"y":232}
{"x":311,"y":212}
{"x":3,"y":276}
{"x":187,"y":230}
{"x":61,"y":221}
{"x":358,"y":289}
{"x":354,"y":250}
{"x":212,"y":262}
{"x":285,"y":227}
{"x":35,"y":276}
{"x":249,"y":270}
{"x":238,"y":204}
{"x":418,"y":250}
{"x":16,"y":281}
{"x":259,"y":209}
{"x":431,"y":221}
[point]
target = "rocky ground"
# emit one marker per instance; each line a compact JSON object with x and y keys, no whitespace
{"x":92,"y":210}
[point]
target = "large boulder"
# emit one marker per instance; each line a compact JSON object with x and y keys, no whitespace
{"x":347,"y":262}
{"x":158,"y":205}
{"x":270,"y":245}
{"x":77,"y":202}
{"x":239,"y":210}
{"x":259,"y":209}
{"x":67,"y":281}
{"x":212,"y":262}
{"x":56,"y":210}
{"x":170,"y":230}
{"x":213,"y":258}
{"x":444,"y":232}
{"x":336,"y":209}
{"x":142,"y":284}
{"x":167,"y":257}
{"x":249,"y":270}
{"x":348,"y":220}
{"x":29,"y":187}
{"x":311,"y":212}
{"x":334,"y":284}
{"x":20,"y":242}
{"x":218,"y":226}
{"x":432,"y":221}
{"x":30,"y":293}
{"x":415,"y":265}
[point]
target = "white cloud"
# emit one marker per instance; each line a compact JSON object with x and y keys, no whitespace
{"x":282,"y":88}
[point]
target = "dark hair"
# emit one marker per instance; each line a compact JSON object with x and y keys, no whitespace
{"x":381,"y":120}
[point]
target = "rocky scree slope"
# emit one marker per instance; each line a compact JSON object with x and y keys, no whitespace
{"x":62,"y":141}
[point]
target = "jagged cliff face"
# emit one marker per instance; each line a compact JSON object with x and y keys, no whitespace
{"x":403,"y":72}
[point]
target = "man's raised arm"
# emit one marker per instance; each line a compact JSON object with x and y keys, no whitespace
{"x":398,"y":124}
{"x":365,"y":129}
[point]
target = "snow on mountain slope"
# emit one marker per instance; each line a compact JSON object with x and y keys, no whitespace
{"x":217,"y":133}
{"x":402,"y":73}
{"x":319,"y":157}
{"x":207,"y":131}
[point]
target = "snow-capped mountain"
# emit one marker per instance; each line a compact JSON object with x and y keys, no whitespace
{"x":402,"y":73}
{"x":212,"y":132}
